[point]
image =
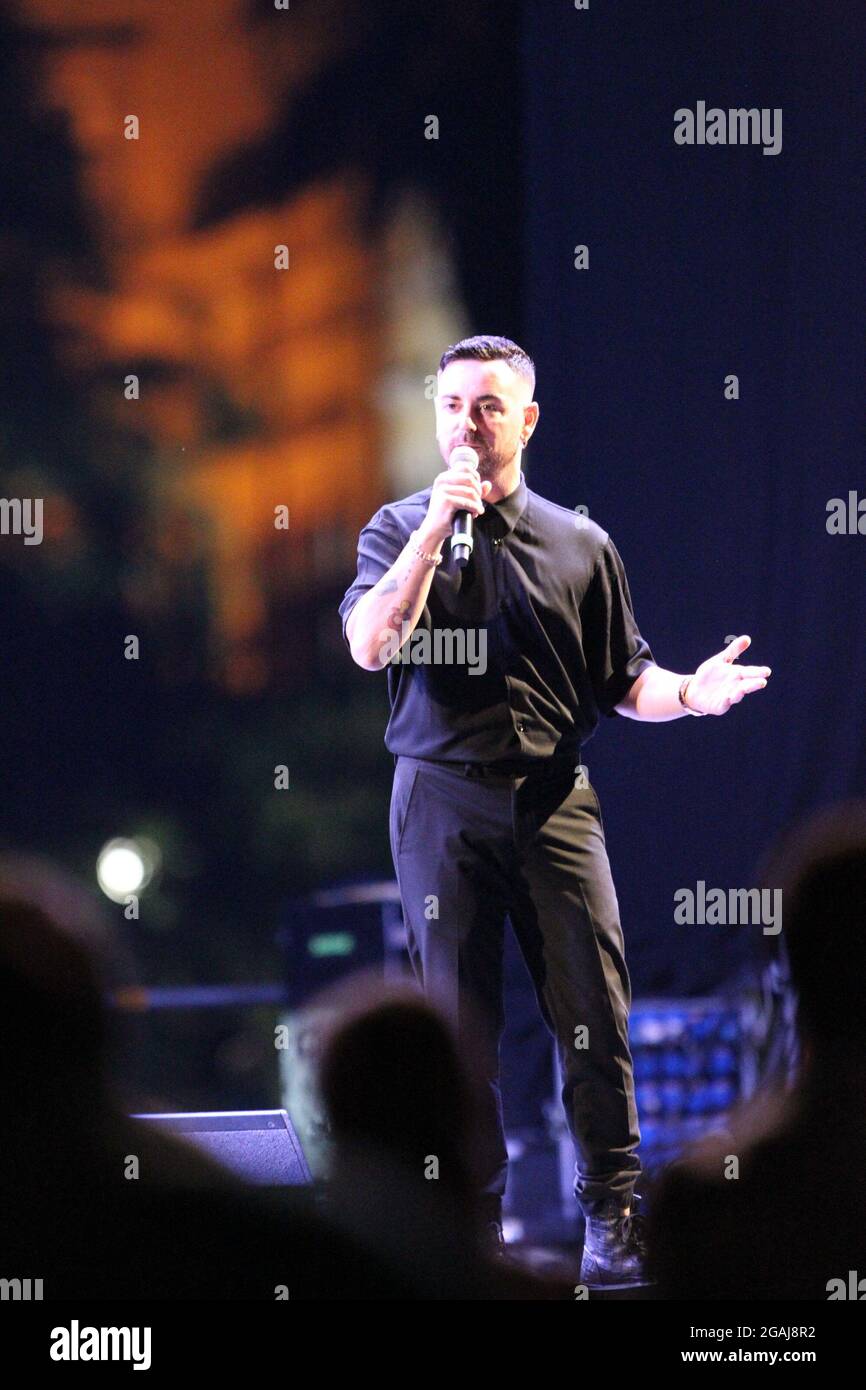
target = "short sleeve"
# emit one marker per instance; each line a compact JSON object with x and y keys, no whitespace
{"x":614,"y":651}
{"x":379,"y":545}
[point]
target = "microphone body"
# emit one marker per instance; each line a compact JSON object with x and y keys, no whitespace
{"x":462,"y":539}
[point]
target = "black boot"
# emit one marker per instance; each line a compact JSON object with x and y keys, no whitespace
{"x":614,"y":1248}
{"x":490,"y":1215}
{"x":494,"y":1240}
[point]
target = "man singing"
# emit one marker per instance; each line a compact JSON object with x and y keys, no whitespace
{"x":492,"y":813}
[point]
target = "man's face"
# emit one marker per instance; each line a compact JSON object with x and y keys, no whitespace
{"x":487,"y":405}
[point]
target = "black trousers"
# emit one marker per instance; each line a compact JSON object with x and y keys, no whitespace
{"x":472,"y":846}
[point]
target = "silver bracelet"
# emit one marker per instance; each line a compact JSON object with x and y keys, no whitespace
{"x":684,"y":684}
{"x":433,"y":560}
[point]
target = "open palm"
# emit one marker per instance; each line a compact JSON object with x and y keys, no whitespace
{"x":718,"y":683}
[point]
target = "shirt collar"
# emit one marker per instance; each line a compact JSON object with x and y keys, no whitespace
{"x":509,"y":509}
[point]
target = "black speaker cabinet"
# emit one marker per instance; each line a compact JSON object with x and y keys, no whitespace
{"x":260,"y":1146}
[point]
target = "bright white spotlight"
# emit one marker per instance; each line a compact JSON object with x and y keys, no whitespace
{"x":124,"y":867}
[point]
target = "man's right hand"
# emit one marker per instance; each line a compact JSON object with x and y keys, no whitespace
{"x":458,"y":489}
{"x":394,"y":603}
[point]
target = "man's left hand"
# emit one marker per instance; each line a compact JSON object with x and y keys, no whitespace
{"x":717,"y":684}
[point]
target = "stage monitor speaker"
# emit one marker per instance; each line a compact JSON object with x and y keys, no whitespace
{"x":260,"y":1146}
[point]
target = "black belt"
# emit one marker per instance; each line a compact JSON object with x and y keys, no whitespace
{"x":556,"y":765}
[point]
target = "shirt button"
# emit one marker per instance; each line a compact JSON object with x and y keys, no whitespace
{"x":497,"y":543}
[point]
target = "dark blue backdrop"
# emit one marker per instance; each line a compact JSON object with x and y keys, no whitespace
{"x":706,"y":261}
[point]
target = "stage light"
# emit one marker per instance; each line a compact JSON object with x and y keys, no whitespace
{"x":125,"y":867}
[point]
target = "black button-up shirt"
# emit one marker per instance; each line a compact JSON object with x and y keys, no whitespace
{"x":542,"y":622}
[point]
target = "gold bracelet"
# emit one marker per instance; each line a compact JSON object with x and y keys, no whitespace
{"x":433,"y":560}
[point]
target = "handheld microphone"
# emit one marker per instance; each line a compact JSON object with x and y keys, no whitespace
{"x":461,"y":530}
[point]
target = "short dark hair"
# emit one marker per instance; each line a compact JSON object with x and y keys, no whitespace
{"x":820,"y":866}
{"x":485,"y":347}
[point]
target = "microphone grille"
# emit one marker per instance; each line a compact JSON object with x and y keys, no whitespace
{"x":464,"y":453}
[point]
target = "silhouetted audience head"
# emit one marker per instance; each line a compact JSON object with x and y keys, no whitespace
{"x":777,"y":1209}
{"x":98,"y":1205}
{"x":392,"y":1080}
{"x":52,"y":1020}
{"x":102,"y":1206}
{"x":820,"y":867}
{"x":401,"y":1096}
